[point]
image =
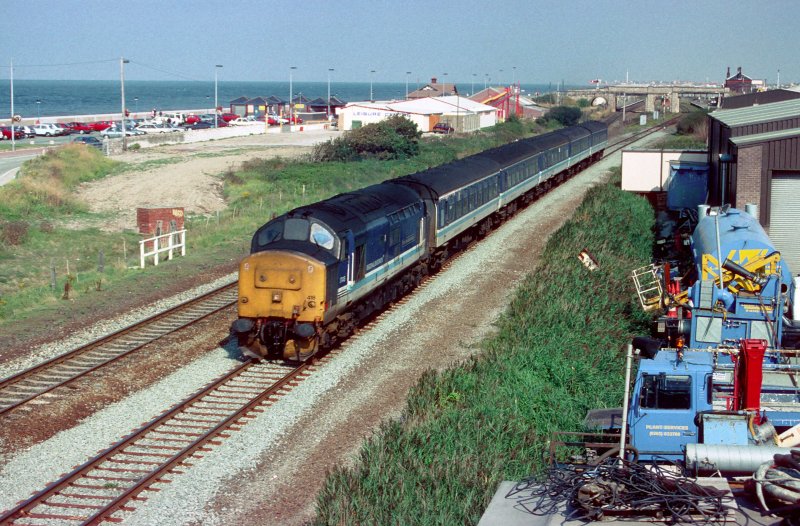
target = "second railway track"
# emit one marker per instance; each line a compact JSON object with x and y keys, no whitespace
{"x":45,"y":377}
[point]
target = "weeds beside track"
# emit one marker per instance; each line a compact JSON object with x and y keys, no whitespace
{"x":555,"y":356}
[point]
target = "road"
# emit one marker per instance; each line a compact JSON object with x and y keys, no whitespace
{"x":11,"y":161}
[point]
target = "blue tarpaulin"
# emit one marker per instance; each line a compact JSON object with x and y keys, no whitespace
{"x":687,"y":185}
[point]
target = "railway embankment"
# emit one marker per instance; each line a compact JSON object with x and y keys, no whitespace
{"x":555,"y":355}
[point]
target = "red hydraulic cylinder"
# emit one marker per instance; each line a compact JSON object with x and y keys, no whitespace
{"x":751,"y":373}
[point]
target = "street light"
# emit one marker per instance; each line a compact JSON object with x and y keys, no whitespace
{"x":329,"y":91}
{"x":500,"y":77}
{"x":216,"y":103}
{"x":485,"y":79}
{"x":291,"y":106}
{"x":472,"y":88}
{"x":514,"y":75}
{"x":135,"y":105}
{"x":122,"y":62}
{"x":371,"y":73}
{"x":38,"y":115}
{"x":407,"y":74}
{"x":444,"y":84}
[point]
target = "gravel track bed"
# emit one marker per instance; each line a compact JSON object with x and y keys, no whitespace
{"x":51,"y":350}
{"x":39,"y":465}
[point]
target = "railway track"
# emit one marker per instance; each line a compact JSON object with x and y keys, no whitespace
{"x":48,"y":376}
{"x":111,"y":482}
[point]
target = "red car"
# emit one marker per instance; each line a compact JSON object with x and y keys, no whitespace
{"x":191,"y":119}
{"x":79,"y":127}
{"x":5,"y":133}
{"x":100,"y":125}
{"x":227,"y":117}
{"x":294,"y":119}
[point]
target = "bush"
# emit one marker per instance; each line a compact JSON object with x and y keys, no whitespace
{"x":392,"y":138}
{"x":694,"y":123}
{"x":14,"y":232}
{"x":565,"y":115}
{"x":583,"y":103}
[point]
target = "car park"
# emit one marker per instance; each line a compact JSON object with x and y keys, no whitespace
{"x":5,"y":133}
{"x":47,"y":130}
{"x":442,"y":127}
{"x":88,"y":140}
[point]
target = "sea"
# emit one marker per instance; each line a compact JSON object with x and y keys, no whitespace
{"x":56,"y":98}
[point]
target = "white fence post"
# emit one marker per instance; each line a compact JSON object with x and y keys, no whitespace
{"x":159,"y":246}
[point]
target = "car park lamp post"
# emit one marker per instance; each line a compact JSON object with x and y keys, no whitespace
{"x":472,"y":88}
{"x":485,"y":80}
{"x":38,"y":116}
{"x":444,"y":85}
{"x":135,"y":106}
{"x":371,"y":72}
{"x":407,"y":74}
{"x":291,"y":106}
{"x":216,"y":103}
{"x":329,"y":91}
{"x":122,"y":62}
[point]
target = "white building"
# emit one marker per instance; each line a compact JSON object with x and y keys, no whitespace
{"x":463,"y":114}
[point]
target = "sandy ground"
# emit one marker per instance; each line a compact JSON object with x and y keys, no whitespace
{"x":186,"y":175}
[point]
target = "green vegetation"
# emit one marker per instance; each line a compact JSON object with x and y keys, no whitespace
{"x":392,"y":138}
{"x":46,"y":231}
{"x":557,"y":354}
{"x":564,"y":115}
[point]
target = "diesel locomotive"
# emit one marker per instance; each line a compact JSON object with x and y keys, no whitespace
{"x":314,"y":273}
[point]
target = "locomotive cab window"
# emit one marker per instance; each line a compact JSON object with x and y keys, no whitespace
{"x":269,"y":233}
{"x":666,"y":392}
{"x":296,"y":229}
{"x":322,"y":236}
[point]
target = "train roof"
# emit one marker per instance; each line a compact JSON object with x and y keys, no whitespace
{"x":352,"y":210}
{"x":574,"y":133}
{"x":451,"y":176}
{"x":594,"y":126}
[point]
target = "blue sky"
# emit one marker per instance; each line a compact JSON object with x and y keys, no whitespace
{"x":530,"y":41}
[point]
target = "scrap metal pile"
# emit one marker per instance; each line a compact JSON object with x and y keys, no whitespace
{"x":621,"y":488}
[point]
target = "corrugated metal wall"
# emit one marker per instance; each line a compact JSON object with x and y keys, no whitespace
{"x":785,"y":217}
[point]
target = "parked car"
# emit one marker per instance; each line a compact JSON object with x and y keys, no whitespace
{"x":80,"y":127}
{"x":442,"y":127}
{"x":294,"y":119}
{"x":47,"y":130}
{"x":28,"y":131}
{"x":100,"y":125}
{"x":115,"y":132}
{"x":63,"y":126}
{"x":200,"y":125}
{"x":89,"y":140}
{"x":228,"y":117}
{"x":191,"y":119}
{"x":156,"y":128}
{"x":242,"y":121}
{"x":5,"y":133}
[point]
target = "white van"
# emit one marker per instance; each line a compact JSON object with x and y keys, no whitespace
{"x":175,"y":118}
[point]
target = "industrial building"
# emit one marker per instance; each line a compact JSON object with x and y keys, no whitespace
{"x":463,"y":114}
{"x":754,"y":157}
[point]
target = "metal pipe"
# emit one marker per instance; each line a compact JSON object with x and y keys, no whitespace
{"x":719,"y":248}
{"x":625,"y":403}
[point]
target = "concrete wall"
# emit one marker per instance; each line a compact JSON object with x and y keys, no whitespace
{"x":373,"y":115}
{"x":648,"y":170}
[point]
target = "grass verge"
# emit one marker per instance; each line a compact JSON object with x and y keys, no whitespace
{"x":48,"y":237}
{"x":556,"y":355}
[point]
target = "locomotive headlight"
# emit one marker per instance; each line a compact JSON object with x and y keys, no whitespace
{"x":277,"y":297}
{"x":312,"y":303}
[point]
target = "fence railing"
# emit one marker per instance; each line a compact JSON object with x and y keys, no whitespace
{"x":168,"y":243}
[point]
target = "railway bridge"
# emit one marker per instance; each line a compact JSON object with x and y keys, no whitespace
{"x":669,"y":94}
